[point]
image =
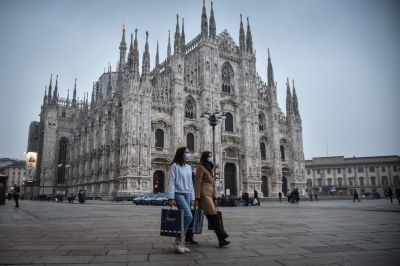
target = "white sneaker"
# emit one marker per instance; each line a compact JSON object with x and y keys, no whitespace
{"x":184,"y":247}
{"x":178,"y":247}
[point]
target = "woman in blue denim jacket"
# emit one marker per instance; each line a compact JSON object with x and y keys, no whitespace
{"x":181,"y":192}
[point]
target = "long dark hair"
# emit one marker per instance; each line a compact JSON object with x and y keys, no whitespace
{"x":204,"y":162}
{"x":178,"y":159}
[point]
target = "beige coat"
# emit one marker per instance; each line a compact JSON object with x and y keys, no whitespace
{"x":205,"y":190}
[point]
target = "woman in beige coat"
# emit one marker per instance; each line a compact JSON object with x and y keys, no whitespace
{"x":205,"y":197}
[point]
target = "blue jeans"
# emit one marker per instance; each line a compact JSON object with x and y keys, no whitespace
{"x":183,"y":203}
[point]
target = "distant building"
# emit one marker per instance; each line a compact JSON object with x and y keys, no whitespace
{"x":6,"y":161}
{"x":375,"y":173}
{"x":15,"y":172}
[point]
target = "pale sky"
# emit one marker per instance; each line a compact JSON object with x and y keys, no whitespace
{"x":343,"y":55}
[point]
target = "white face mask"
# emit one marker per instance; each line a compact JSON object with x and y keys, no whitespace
{"x":187,"y":156}
{"x":210,"y":160}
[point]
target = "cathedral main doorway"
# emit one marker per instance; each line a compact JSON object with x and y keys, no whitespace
{"x":158,"y":182}
{"x":230,"y":178}
{"x":284,"y":185}
{"x":264,"y":186}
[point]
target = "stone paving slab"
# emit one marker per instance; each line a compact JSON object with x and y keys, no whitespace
{"x":104,"y":233}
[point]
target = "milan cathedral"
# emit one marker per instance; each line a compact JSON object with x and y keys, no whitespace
{"x":122,"y":140}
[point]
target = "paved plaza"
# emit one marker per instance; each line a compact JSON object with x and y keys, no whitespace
{"x":108,"y":233}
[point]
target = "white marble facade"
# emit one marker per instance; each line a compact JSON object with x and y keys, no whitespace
{"x":122,"y":142}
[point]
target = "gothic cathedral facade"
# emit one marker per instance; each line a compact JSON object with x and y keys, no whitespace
{"x":122,"y":142}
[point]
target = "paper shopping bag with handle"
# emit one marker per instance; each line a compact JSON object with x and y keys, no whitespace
{"x":171,"y":222}
{"x":196,"y":226}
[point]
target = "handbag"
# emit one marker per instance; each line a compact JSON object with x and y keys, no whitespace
{"x":196,"y":226}
{"x":221,"y":222}
{"x":171,"y":222}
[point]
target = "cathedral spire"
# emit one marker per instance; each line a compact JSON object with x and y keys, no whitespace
{"x":289,"y":103}
{"x":146,"y":59}
{"x":295,"y":102}
{"x":49,"y":94}
{"x":183,"y":42}
{"x":92,"y":98}
{"x":122,"y":50}
{"x":55,"y":93}
{"x":270,"y":72}
{"x":130,"y":55}
{"x":242,"y":45}
{"x":204,"y":24}
{"x":135,"y":57}
{"x":100,"y":98}
{"x":169,"y":46}
{"x":45,"y":96}
{"x":213,"y":26}
{"x":249,"y":38}
{"x":157,"y":67}
{"x":109,"y":86}
{"x":177,"y":41}
{"x":74,"y":95}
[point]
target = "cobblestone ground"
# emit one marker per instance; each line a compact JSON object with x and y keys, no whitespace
{"x":109,"y":233}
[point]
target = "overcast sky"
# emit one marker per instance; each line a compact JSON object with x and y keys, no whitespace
{"x":343,"y":55}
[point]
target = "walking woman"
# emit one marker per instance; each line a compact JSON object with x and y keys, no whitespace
{"x":181,"y":192}
{"x":205,"y":195}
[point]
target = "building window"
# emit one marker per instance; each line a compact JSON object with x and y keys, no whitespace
{"x":361,"y":181}
{"x":340,"y":182}
{"x":318,"y":171}
{"x":19,"y":173}
{"x":159,"y":138}
{"x":383,"y":168}
{"x":282,"y":152}
{"x":396,"y":181}
{"x":329,"y":181}
{"x":62,"y":159}
{"x":229,"y":122}
{"x":262,"y":148}
{"x":372,"y":169}
{"x":361,"y":169}
{"x":339,"y":171}
{"x":394,"y":168}
{"x":385,"y":181}
{"x":190,"y":109}
{"x":308,"y":172}
{"x":190,"y":141}
{"x":373,"y":181}
{"x":329,"y":171}
{"x":349,"y":170}
{"x":13,"y":172}
{"x":350,"y":182}
{"x":320,"y":182}
{"x":261,"y":122}
{"x":226,"y":80}
{"x":309,"y":183}
{"x":63,"y":113}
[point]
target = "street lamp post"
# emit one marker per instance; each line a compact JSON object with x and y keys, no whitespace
{"x":63,"y":165}
{"x":213,"y":119}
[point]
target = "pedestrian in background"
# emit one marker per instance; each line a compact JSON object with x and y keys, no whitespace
{"x":181,"y":191}
{"x":390,"y":194}
{"x":356,"y":196}
{"x":288,"y":195}
{"x":297,"y":196}
{"x":280,"y":196}
{"x":16,"y":195}
{"x":398,"y":194}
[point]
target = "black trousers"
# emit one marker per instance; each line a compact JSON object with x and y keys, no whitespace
{"x":355,"y":199}
{"x":16,"y":197}
{"x":218,"y":229}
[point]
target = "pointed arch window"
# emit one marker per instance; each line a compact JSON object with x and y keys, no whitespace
{"x":159,"y":138}
{"x":190,"y":141}
{"x":226,"y":80}
{"x":229,"y":122}
{"x":261,"y":122}
{"x":62,"y":158}
{"x":282,"y":152}
{"x":190,"y":109}
{"x":63,"y":113}
{"x":263,"y":153}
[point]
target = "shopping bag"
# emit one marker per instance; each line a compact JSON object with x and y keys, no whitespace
{"x":171,"y":222}
{"x":219,"y":214}
{"x":196,"y":226}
